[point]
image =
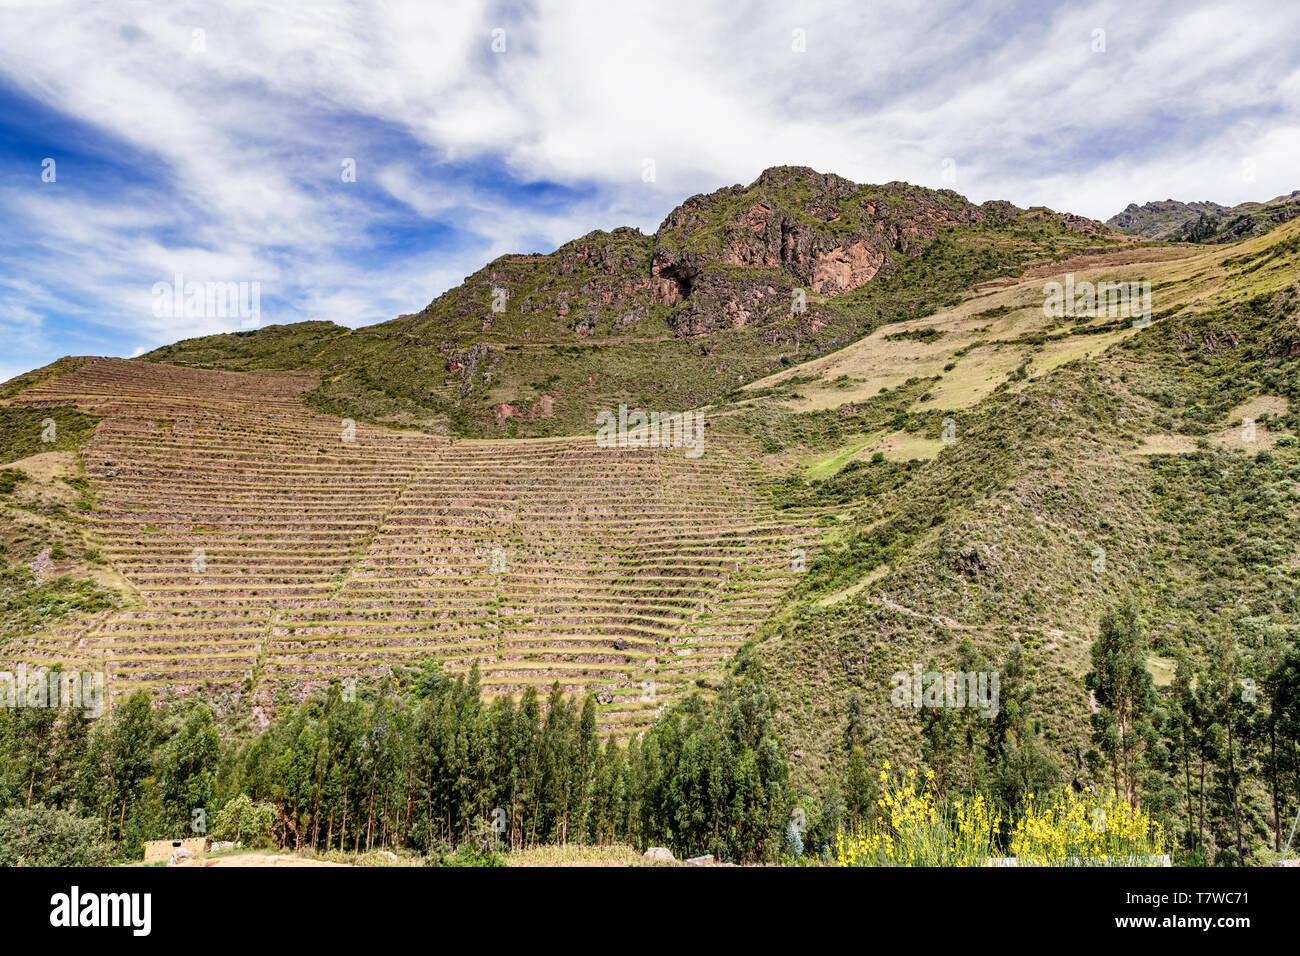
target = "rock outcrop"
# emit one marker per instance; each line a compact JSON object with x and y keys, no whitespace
{"x":740,"y":254}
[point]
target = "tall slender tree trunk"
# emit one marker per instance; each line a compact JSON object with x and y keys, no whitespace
{"x":410,"y":799}
{"x":1187,"y":780}
{"x":315,"y":821}
{"x":1272,"y":772}
{"x":1232,"y":783}
{"x":370,"y":815}
{"x":1200,"y":833}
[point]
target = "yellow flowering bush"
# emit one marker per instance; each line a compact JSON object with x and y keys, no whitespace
{"x":913,"y":828}
{"x":1084,"y":828}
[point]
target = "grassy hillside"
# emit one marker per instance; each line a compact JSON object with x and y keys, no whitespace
{"x":1088,"y":459}
{"x":50,"y":567}
{"x":929,"y":469}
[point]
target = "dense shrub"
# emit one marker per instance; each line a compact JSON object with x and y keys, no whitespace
{"x":42,"y":836}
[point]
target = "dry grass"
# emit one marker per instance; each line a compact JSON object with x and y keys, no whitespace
{"x":1181,"y":277}
{"x":618,"y":854}
{"x":1235,"y":437}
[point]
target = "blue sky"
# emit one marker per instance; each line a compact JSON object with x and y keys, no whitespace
{"x":209,"y":139}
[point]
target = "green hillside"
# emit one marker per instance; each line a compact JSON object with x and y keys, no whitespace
{"x":1089,"y":462}
{"x":663,"y":322}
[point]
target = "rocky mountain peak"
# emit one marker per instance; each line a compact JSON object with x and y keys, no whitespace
{"x":738,"y":254}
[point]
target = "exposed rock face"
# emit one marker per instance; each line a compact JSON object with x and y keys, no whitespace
{"x":845,"y":267}
{"x":614,"y":262}
{"x":544,"y":407}
{"x":1205,"y":221}
{"x":726,"y":260}
{"x":671,"y":282}
{"x":736,"y":255}
{"x":746,"y":270}
{"x":719,"y":301}
{"x":593,"y":250}
{"x":1082,"y":224}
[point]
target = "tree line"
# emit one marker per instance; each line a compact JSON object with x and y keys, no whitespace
{"x":424,"y":763}
{"x":425,"y":768}
{"x":1216,"y":752}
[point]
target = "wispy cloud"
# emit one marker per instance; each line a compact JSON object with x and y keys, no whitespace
{"x":211,"y":139}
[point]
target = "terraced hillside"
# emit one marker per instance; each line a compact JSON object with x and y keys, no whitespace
{"x":272,"y":548}
{"x":972,"y":479}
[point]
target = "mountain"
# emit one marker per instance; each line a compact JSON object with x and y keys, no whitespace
{"x":1204,"y":221}
{"x":732,"y":285}
{"x":930,"y":470}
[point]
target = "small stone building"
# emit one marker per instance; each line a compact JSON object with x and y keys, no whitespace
{"x":160,"y":851}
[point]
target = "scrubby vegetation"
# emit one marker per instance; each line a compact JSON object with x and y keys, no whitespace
{"x":1052,"y":503}
{"x":40,"y":836}
{"x":423,"y":765}
{"x":32,"y":431}
{"x":28,"y":602}
{"x":914,"y":827}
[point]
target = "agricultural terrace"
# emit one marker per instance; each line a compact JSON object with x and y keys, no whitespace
{"x":272,"y":548}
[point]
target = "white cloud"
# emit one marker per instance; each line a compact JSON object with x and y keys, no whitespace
{"x":234,"y":149}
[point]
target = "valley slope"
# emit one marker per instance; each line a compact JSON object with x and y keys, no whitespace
{"x":269,"y":549}
{"x":923,"y":469}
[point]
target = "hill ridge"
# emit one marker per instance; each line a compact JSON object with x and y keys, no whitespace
{"x":732,"y":285}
